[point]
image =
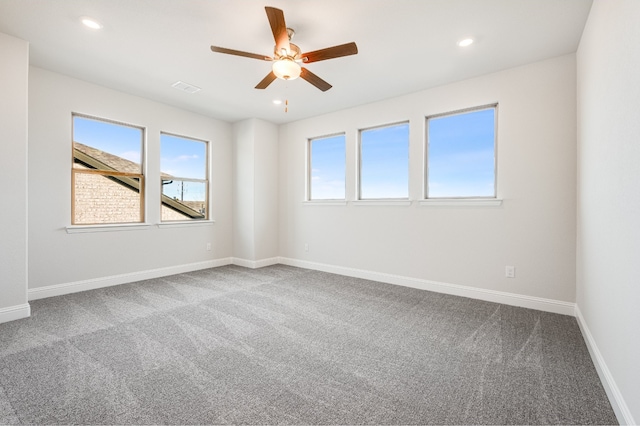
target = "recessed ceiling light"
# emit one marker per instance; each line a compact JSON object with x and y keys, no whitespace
{"x":465,"y":42}
{"x":91,"y":23}
{"x":277,"y":101}
{"x":185,"y":87}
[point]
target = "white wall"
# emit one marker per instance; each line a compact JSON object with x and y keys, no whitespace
{"x":255,"y":191}
{"x":56,"y":257}
{"x":243,"y":190}
{"x":608,"y":226}
{"x":266,"y":190}
{"x":14,"y":68}
{"x":534,"y":228}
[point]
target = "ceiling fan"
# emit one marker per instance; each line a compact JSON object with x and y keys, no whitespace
{"x":287,"y":56}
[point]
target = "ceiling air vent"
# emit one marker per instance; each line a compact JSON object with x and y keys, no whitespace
{"x":185,"y":87}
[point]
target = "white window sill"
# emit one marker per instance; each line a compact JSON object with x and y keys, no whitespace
{"x":461,"y":202}
{"x":381,"y":202}
{"x":186,"y":223}
{"x":80,"y":229}
{"x":325,"y":203}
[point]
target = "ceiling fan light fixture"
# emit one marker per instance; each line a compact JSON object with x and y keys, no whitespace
{"x":286,"y":69}
{"x":287,"y":56}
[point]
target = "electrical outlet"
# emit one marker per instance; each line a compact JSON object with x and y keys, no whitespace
{"x":306,"y":247}
{"x":208,"y":246}
{"x":510,"y":271}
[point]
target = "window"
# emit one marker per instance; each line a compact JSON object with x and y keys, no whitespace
{"x":107,"y":172}
{"x":184,"y":171}
{"x":384,"y":162}
{"x":327,"y":168}
{"x":461,"y":150}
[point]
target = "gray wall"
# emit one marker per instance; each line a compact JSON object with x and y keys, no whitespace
{"x":255,"y":192}
{"x":608,"y":216}
{"x":533,"y":230}
{"x":14,"y":67}
{"x":56,"y":257}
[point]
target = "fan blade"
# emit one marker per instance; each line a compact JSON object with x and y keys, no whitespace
{"x":266,"y":81}
{"x":278,"y":28}
{"x":239,"y":53}
{"x":315,"y":80}
{"x":330,"y":53}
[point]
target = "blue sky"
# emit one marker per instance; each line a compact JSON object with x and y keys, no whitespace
{"x":328,"y":168}
{"x":460,"y":155}
{"x":461,"y":160}
{"x":385,"y":162}
{"x":185,"y":190}
{"x":180,"y":157}
{"x":184,"y":158}
{"x":123,"y":141}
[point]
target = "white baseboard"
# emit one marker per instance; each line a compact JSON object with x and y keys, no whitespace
{"x":513,"y":299}
{"x":618,"y":403}
{"x":74,"y":287}
{"x":531,"y":302}
{"x":13,"y":313}
{"x":91,"y":284}
{"x":253,"y":264}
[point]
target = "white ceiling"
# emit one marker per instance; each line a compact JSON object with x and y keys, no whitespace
{"x":404,"y":46}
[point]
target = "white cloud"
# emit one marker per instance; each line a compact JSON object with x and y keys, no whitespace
{"x":185,"y":157}
{"x":131,"y":156}
{"x":327,"y":189}
{"x":180,"y":158}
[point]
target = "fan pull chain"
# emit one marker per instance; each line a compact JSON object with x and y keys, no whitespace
{"x":286,"y":105}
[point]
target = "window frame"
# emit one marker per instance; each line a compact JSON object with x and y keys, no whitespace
{"x":425,"y":176}
{"x":308,"y":196}
{"x":206,"y":180}
{"x":109,"y":173}
{"x":359,"y":164}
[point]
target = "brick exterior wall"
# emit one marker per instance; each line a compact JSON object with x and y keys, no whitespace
{"x":170,"y":214}
{"x":101,"y":200}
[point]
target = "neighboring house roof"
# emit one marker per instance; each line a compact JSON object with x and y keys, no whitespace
{"x":94,"y":158}
{"x":112,"y":162}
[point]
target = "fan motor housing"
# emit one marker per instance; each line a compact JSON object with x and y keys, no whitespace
{"x":294,"y":52}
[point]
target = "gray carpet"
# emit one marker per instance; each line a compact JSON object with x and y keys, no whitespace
{"x":283,"y":345}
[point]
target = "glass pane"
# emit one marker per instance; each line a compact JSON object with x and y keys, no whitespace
{"x":183,"y":200}
{"x":182,"y":157}
{"x":461,"y":155}
{"x":384,"y":162}
{"x":328,"y":168}
{"x":106,"y":199}
{"x":106,"y":146}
